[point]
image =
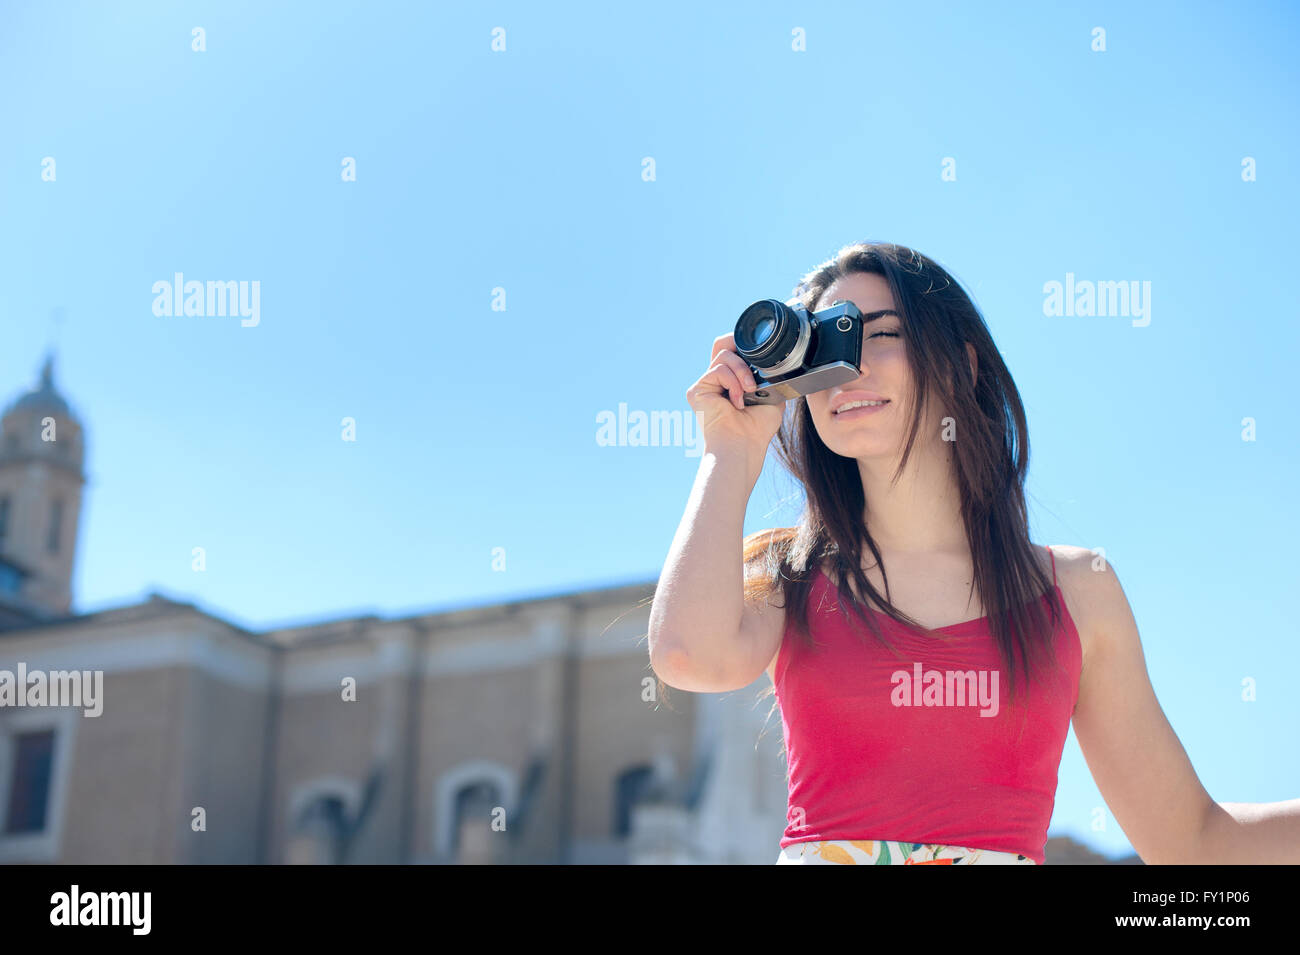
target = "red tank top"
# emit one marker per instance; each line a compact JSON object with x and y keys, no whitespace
{"x":896,"y":747}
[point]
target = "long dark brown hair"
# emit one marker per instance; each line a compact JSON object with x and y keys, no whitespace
{"x":990,"y":457}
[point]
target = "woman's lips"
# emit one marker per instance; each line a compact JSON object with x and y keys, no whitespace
{"x":862,"y":412}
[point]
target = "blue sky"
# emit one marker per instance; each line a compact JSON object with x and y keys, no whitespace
{"x":522,"y":170}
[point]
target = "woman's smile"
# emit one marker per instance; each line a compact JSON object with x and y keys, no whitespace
{"x":856,"y":410}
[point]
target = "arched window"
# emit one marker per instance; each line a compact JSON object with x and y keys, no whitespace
{"x":319,"y":812}
{"x":318,"y":831}
{"x":630,"y":788}
{"x":466,"y":798}
{"x":472,"y":831}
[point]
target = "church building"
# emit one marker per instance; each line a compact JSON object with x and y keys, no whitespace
{"x":528,"y":731}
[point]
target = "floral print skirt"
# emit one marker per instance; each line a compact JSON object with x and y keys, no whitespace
{"x":877,"y":852}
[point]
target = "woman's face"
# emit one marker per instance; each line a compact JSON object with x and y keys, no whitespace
{"x":875,"y":431}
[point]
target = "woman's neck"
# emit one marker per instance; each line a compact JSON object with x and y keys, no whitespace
{"x":921,"y":514}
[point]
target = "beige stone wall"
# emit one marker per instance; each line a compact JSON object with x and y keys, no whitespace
{"x":471,"y":718}
{"x":124,"y":795}
{"x":184,"y":712}
{"x":616,"y":731}
{"x":225,"y":735}
{"x":494,"y":693}
{"x":320,"y":737}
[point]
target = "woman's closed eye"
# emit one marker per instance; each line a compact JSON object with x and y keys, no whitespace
{"x":889,"y":334}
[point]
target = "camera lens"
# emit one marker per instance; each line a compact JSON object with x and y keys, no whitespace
{"x":771,"y":336}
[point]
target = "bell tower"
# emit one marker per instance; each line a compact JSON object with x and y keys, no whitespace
{"x":42,"y":458}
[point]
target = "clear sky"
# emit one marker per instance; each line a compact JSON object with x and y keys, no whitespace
{"x":523,"y":170}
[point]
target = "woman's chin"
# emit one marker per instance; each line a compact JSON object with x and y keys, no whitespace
{"x":860,"y":447}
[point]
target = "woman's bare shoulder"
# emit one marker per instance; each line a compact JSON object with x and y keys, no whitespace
{"x":1076,"y":575}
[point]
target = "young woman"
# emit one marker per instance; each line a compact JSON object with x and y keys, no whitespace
{"x":933,"y":734}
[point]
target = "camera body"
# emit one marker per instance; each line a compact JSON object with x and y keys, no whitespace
{"x":792,"y":351}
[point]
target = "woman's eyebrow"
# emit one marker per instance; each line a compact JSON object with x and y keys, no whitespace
{"x":872,"y":316}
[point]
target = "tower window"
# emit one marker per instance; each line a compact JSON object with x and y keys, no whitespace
{"x":56,"y":525}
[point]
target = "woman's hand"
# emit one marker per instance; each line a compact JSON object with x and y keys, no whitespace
{"x":727,"y":423}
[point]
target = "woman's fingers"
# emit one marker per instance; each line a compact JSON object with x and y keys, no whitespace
{"x":727,"y":379}
{"x":740,"y":367}
{"x":720,"y":343}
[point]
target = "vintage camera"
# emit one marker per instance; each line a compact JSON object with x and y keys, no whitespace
{"x":794,"y":352}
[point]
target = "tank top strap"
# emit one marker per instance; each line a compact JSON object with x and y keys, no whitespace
{"x":1053,"y":556}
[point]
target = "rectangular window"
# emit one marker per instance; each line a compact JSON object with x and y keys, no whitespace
{"x":4,"y":519}
{"x":56,"y":525}
{"x":29,"y":794}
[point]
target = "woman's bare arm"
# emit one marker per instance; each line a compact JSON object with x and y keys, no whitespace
{"x":698,"y":638}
